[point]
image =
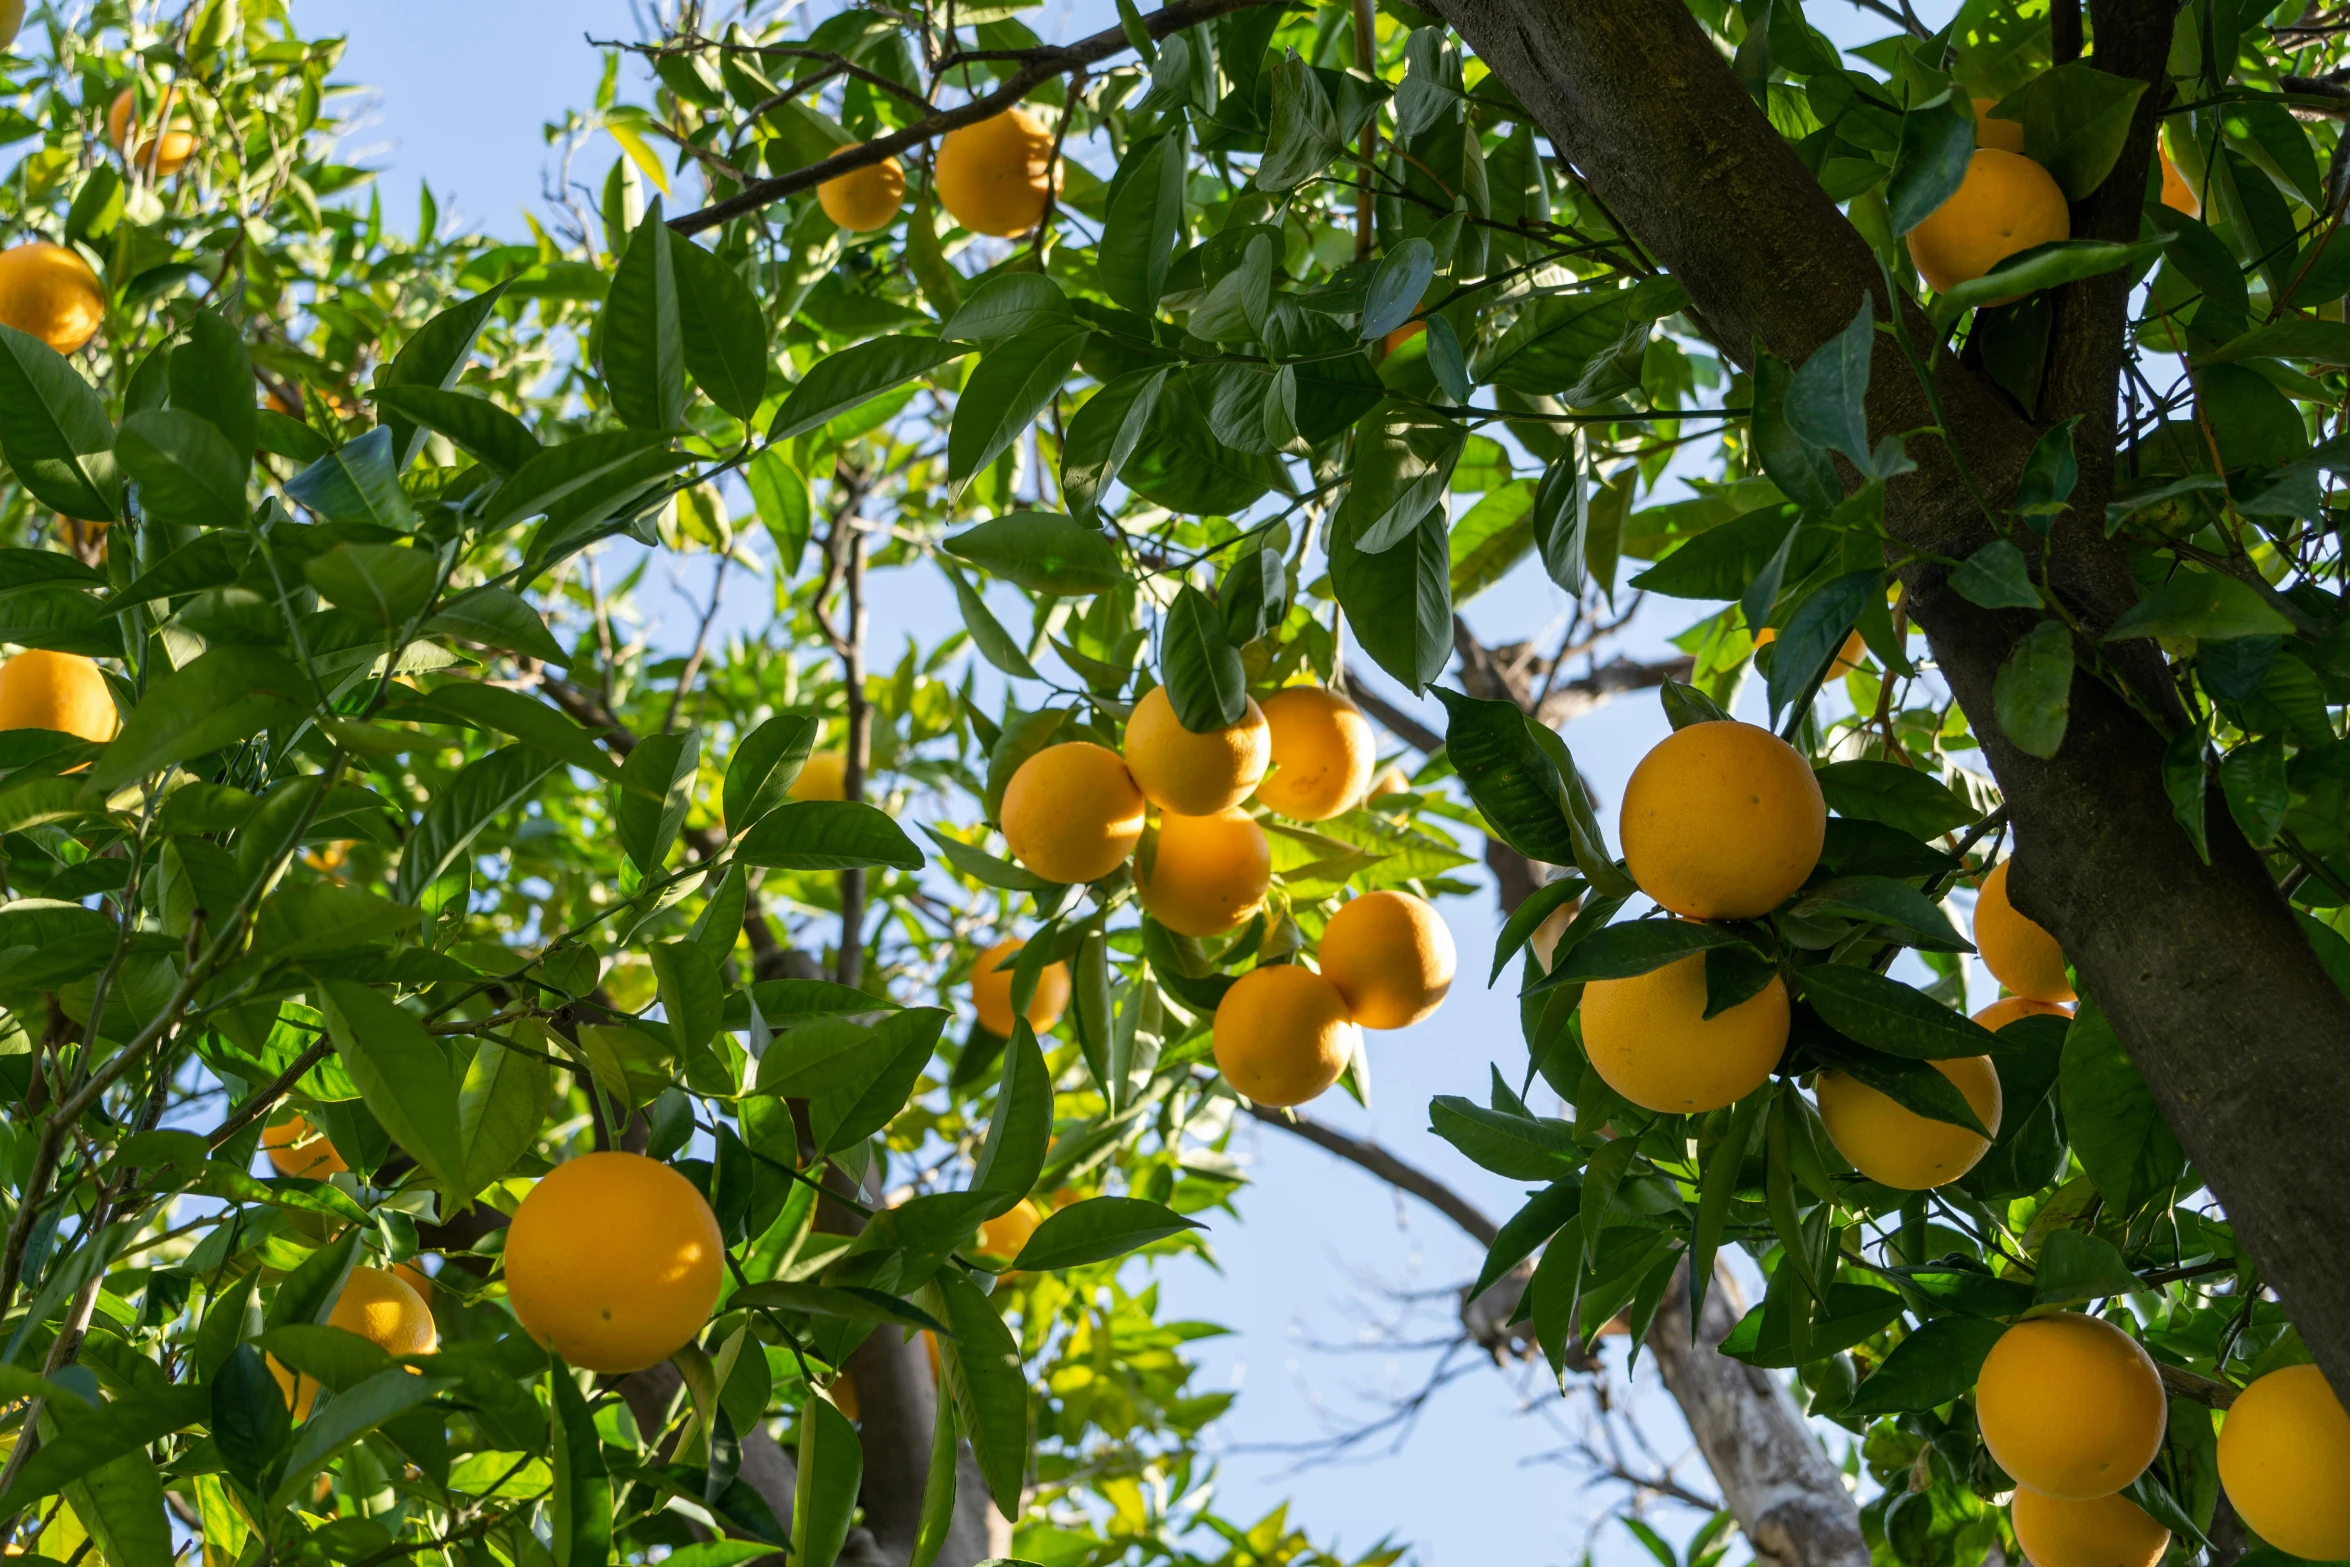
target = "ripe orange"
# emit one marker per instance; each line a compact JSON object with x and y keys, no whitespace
{"x":1322,"y":752}
{"x":2071,"y":1406}
{"x":1895,"y":1146}
{"x":62,"y":691}
{"x":1545,"y":940}
{"x":1282,"y":1035}
{"x":1400,"y":336}
{"x":1848,"y":656}
{"x":865,"y":199}
{"x":844,"y":1387}
{"x":1650,"y":1040}
{"x":295,"y":1147}
{"x":2006,"y":204}
{"x":1998,"y":135}
{"x":614,"y":1260}
{"x":994,"y":177}
{"x":824,"y":776}
{"x":2110,"y":1531}
{"x":2284,"y":1458}
{"x":1194,"y":774}
{"x":1208,"y":874}
{"x":1391,"y":780}
{"x":1390,"y":956}
{"x":991,"y":991}
{"x":412,"y":1274}
{"x":1722,"y":820}
{"x":178,"y":142}
{"x":50,"y":292}
{"x":2007,"y":1009}
{"x":2177,"y":193}
{"x":380,"y":1309}
{"x":2019,"y":953}
{"x":1002,"y":1236}
{"x":1072,"y":813}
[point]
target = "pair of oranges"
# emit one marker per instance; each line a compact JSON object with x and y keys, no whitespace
{"x":995,"y":177}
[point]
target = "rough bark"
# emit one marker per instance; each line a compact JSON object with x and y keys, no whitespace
{"x":2207,"y":979}
{"x":1775,"y":1477}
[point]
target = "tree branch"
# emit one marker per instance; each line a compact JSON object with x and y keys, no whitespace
{"x":1048,"y":64}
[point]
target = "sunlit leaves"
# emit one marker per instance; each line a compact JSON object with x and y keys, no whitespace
{"x":54,"y":430}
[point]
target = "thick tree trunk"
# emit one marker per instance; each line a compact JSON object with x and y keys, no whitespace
{"x":2241,"y":1035}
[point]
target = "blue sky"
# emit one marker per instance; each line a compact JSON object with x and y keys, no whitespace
{"x":1323,"y":1252}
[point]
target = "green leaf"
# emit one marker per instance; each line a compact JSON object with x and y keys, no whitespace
{"x":1828,"y":396}
{"x":1012,"y":386}
{"x":1205,"y":683}
{"x":2076,"y":119}
{"x":228,"y":694}
{"x":828,"y":835}
{"x":985,"y":868}
{"x":1803,"y":472}
{"x":1396,"y":285}
{"x":722,"y":328}
{"x":1717,"y":1186}
{"x":2032,"y":693}
{"x":831,"y":1470}
{"x":820,"y":1300}
{"x":2049,"y":474}
{"x":1042,"y":551}
{"x":534,"y":723}
{"x":1399,"y":602}
{"x":819,"y":1057}
{"x":1404,"y":458}
{"x":1933,"y":1365}
{"x":759,"y":775}
{"x":356,"y":482}
{"x":433,"y":358}
{"x":403,"y":1077}
{"x":643,"y":339}
{"x":2288,"y":337}
{"x":55,"y":432}
{"x":649,"y":804}
{"x":499,"y":618}
{"x":1546,"y":1213}
{"x":995,"y":644}
{"x":1853,"y":1313}
{"x":121,"y":1504}
{"x":1021,"y":1127}
{"x":1896,"y":795}
{"x":2042,"y":267}
{"x":1883,"y":900}
{"x":1097,"y":1230}
{"x":2075,"y":1267}
{"x":1144,"y":221}
{"x":1884,"y":1014}
{"x":1516,"y":1146}
{"x":1996,"y":577}
{"x":1914,"y":1085}
{"x":692,"y":994}
{"x":1006,"y":305}
{"x":903,"y":1045}
{"x":981,"y":1365}
{"x":463,"y":808}
{"x":1510,"y":779}
{"x":88,"y":1437}
{"x":387,"y":584}
{"x":1937,"y":141}
{"x":2196,"y":603}
{"x":499,"y":1109}
{"x":187,"y":472}
{"x":1820,"y":626}
{"x":478,"y":426}
{"x":1528,"y":916}
{"x":46,"y":943}
{"x":2117,"y":1131}
{"x":579,"y":470}
{"x":1303,"y":133}
{"x":2186,"y":779}
{"x":582,"y":1504}
{"x":1102,"y":434}
{"x":1561,"y":518}
{"x":839,"y":382}
{"x":1637,"y":947}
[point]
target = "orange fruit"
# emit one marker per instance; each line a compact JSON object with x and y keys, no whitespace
{"x":824,"y":776}
{"x":1722,"y":820}
{"x":178,"y":142}
{"x":614,"y":1261}
{"x":1390,"y":956}
{"x":50,"y":292}
{"x":866,"y":199}
{"x":991,"y":991}
{"x":2177,"y":194}
{"x":1322,"y":753}
{"x":295,"y":1147}
{"x":1282,"y":1035}
{"x":1650,"y":1040}
{"x":1998,"y":135}
{"x":1848,"y":656}
{"x":1208,"y":874}
{"x":2006,"y":204}
{"x":1545,"y":940}
{"x":2071,"y":1406}
{"x":844,"y":1387}
{"x":995,"y":177}
{"x":380,"y":1309}
{"x":40,"y":689}
{"x":1072,"y":813}
{"x":1391,"y":780}
{"x":412,"y":1274}
{"x":2019,"y":953}
{"x":1400,"y":336}
{"x":2284,"y":1459}
{"x":2109,"y":1531}
{"x":1895,"y":1146}
{"x":1194,"y":774}
{"x":1002,"y":1236}
{"x":2007,"y":1009}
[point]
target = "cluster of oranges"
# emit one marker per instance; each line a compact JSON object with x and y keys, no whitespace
{"x":1077,"y":811}
{"x":995,"y":177}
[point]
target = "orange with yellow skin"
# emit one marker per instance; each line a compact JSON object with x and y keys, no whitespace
{"x":2177,"y":193}
{"x":991,"y":991}
{"x":2071,"y":1406}
{"x":2006,"y":204}
{"x":1998,"y":135}
{"x":2008,"y":1009}
{"x":1282,"y":1035}
{"x":824,"y":776}
{"x":1207,"y":874}
{"x":866,"y":199}
{"x":381,"y":1309}
{"x":1722,"y":821}
{"x":2019,"y":953}
{"x":1390,"y":956}
{"x":167,"y":154}
{"x":49,"y":292}
{"x":995,"y":177}
{"x":2284,"y":1458}
{"x":1072,"y":812}
{"x":1322,"y":753}
{"x":1649,"y":1039}
{"x":2109,"y":1531}
{"x":1894,"y":1145}
{"x":40,"y":689}
{"x":1001,"y":1237}
{"x":297,"y":1148}
{"x":1194,"y":774}
{"x":614,"y":1261}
